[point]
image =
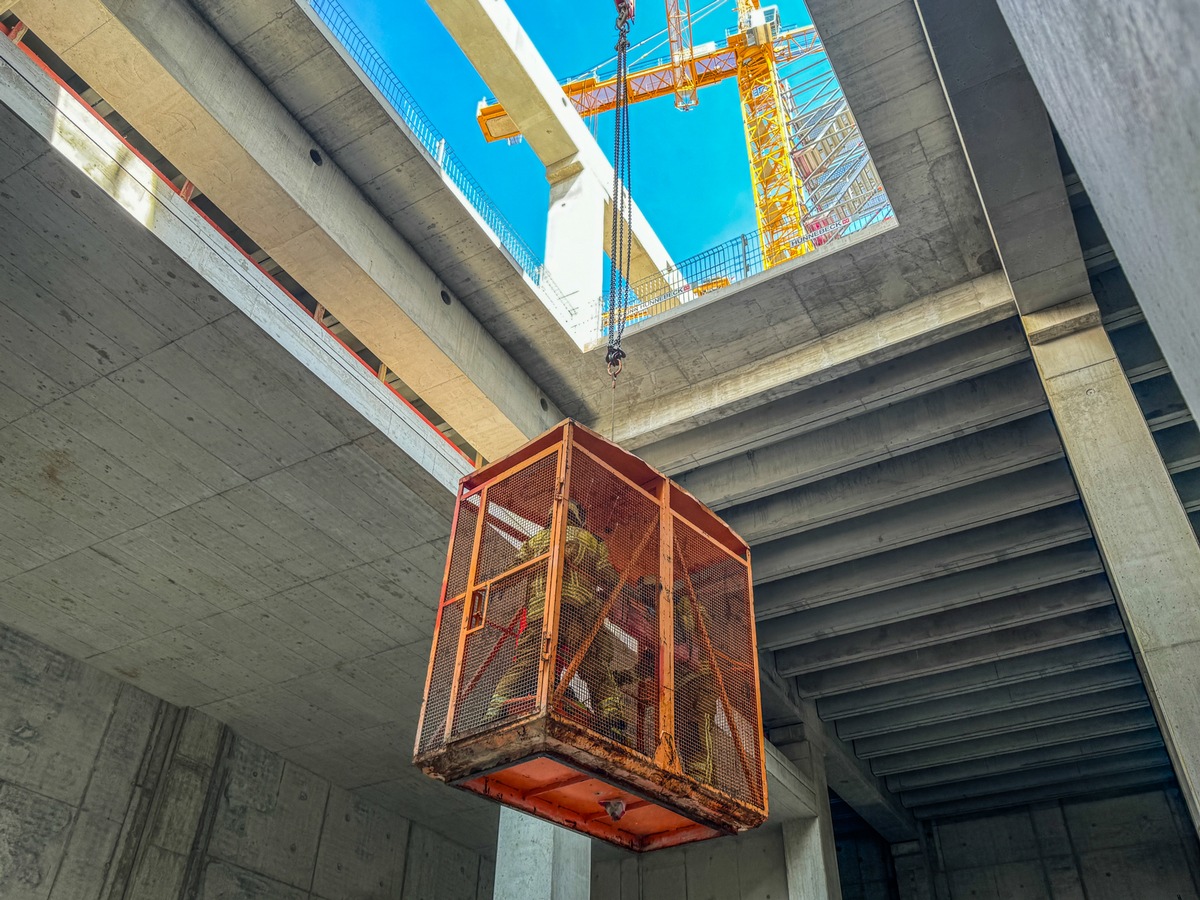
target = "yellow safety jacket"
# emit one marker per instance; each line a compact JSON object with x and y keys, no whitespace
{"x":586,"y":569}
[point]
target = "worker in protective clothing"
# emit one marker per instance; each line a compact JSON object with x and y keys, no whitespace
{"x":588,"y":578}
{"x":695,"y":693}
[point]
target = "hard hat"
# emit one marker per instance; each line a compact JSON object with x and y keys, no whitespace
{"x":576,"y":514}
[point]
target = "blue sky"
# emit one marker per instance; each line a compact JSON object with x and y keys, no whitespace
{"x":690,"y":173}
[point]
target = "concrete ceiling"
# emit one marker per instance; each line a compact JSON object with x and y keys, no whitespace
{"x":941,"y":239}
{"x":188,"y":507}
{"x":870,"y":420}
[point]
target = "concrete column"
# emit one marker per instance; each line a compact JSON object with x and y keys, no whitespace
{"x":1147,"y":543}
{"x":914,"y":877}
{"x":1138,"y":100}
{"x":808,"y":845}
{"x":575,"y":242}
{"x":539,"y":861}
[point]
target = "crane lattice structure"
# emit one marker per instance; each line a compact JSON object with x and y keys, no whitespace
{"x":811,"y":174}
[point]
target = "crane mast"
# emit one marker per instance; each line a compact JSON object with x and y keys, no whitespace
{"x":683,"y":63}
{"x":777,"y":189}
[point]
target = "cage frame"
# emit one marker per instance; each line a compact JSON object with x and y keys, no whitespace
{"x":474,"y":761}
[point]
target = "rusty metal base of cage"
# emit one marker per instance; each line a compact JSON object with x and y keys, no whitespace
{"x":565,"y":773}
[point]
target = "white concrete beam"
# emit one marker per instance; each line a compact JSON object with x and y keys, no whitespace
{"x":1006,"y":134}
{"x":846,"y":774}
{"x":1141,"y":778}
{"x":944,"y":627}
{"x":507,"y":60}
{"x":1005,"y":721}
{"x":1094,"y":768}
{"x":792,"y":792}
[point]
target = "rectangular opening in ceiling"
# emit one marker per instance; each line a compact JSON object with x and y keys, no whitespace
{"x":800,"y":169}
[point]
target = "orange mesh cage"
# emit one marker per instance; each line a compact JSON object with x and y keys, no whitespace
{"x":594,"y":659}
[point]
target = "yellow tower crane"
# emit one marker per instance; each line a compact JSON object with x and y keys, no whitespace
{"x":752,"y":53}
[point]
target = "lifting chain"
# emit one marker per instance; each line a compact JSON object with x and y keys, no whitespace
{"x":621,"y":233}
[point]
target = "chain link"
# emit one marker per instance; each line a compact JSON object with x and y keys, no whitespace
{"x":621,"y":231}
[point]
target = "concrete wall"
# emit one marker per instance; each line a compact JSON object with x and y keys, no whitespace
{"x":1133,"y":847}
{"x":865,"y":868}
{"x":748,"y":867}
{"x":107,"y":792}
{"x":751,"y":866}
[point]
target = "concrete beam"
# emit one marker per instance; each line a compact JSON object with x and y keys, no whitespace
{"x":1188,"y":485}
{"x":1161,"y":402}
{"x":962,"y":683}
{"x":1072,"y":629}
{"x":200,"y":106}
{"x":809,"y":845}
{"x":847,"y":775}
{"x":1005,"y":721}
{"x":793,"y":793}
{"x":1140,"y":355}
{"x":1116,"y":782}
{"x":66,"y":128}
{"x":1096,"y":769}
{"x":1055,"y":687}
{"x":269,"y":462}
{"x":1151,"y":223}
{"x":937,"y":595}
{"x":994,"y":745}
{"x":502,"y":53}
{"x":1027,"y":760}
{"x":953,"y":625}
{"x":903,"y":427}
{"x":995,"y":500}
{"x":862,"y":344}
{"x":1179,"y":447}
{"x":961,"y":552}
{"x":939,"y":365}
{"x":575,"y":230}
{"x":1007,"y":448}
{"x":1006,"y":135}
{"x":1149,"y":548}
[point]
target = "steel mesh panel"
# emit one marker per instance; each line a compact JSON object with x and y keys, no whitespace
{"x":518,"y":507}
{"x":445,"y":652}
{"x":607,"y":655}
{"x":501,"y":650}
{"x":718,"y":743}
{"x":459,"y":569}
